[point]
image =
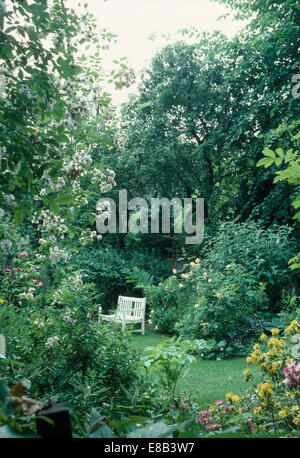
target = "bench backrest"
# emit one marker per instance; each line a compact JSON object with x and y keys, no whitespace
{"x":133,"y":306}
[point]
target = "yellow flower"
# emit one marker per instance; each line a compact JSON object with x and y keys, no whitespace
{"x":1,"y":301}
{"x":192,"y":264}
{"x":296,"y":421}
{"x":263,"y":337}
{"x":294,"y":326}
{"x":180,"y":285}
{"x":275,"y":331}
{"x":283,"y":412}
{"x":236,"y":398}
{"x":197,"y":261}
{"x":265,"y":390}
{"x":246,"y":373}
{"x":258,"y":410}
{"x":228,"y":396}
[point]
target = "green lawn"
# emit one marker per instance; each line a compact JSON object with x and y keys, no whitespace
{"x":207,"y":381}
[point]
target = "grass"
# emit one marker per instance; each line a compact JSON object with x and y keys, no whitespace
{"x":206,"y":381}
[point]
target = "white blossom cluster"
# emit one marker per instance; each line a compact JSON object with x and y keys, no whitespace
{"x":56,"y":297}
{"x":56,"y":254}
{"x":67,"y":316}
{"x":88,"y":237}
{"x":74,"y":282}
{"x":78,"y":108}
{"x":60,"y":183}
{"x":49,"y":222}
{"x":51,"y":341}
{"x":106,"y":181}
{"x":29,"y":294}
{"x":9,"y":200}
{"x":77,"y":165}
{"x":2,"y":85}
{"x":79,"y":194}
{"x":6,"y":245}
{"x":40,"y":324}
{"x":40,"y":257}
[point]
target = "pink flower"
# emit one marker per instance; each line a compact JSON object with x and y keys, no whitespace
{"x":227,"y":408}
{"x":213,"y":427}
{"x":19,"y":269}
{"x":219,"y":403}
{"x":25,"y":254}
{"x":41,"y":284}
{"x":35,"y":281}
{"x":204,"y":417}
{"x":292,"y":375}
{"x":7,"y":270}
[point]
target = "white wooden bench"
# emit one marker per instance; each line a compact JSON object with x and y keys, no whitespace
{"x":2,"y":347}
{"x":130,"y":310}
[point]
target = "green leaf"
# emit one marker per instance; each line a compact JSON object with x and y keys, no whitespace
{"x":19,"y":215}
{"x":266,"y":162}
{"x":269,"y":153}
{"x":65,"y":199}
{"x":4,"y":391}
{"x":7,"y":432}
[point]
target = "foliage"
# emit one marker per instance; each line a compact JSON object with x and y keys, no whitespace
{"x":264,"y":252}
{"x":66,"y":355}
{"x":107,"y":267}
{"x":291,"y":172}
{"x":228,"y":309}
{"x":169,"y":360}
{"x":268,"y":408}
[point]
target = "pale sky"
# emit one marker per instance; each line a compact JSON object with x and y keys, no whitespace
{"x":135,"y":20}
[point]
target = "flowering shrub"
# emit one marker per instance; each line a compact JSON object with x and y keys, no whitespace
{"x":270,"y":406}
{"x":263,"y":252}
{"x":66,"y":355}
{"x":167,"y":302}
{"x":20,"y":279}
{"x":228,"y":307}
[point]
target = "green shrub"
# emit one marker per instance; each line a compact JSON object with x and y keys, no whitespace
{"x":106,"y":268}
{"x":229,"y":308}
{"x":66,"y":355}
{"x":263,"y":252}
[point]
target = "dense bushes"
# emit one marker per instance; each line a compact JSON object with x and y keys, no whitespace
{"x":229,"y":307}
{"x":264,"y":252}
{"x":226,"y":298}
{"x":106,"y":267}
{"x":63,"y":353}
{"x":269,"y":407}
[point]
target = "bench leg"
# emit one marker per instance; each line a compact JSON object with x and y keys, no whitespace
{"x":143,"y":327}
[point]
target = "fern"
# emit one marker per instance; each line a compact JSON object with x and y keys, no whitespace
{"x":142,"y":280}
